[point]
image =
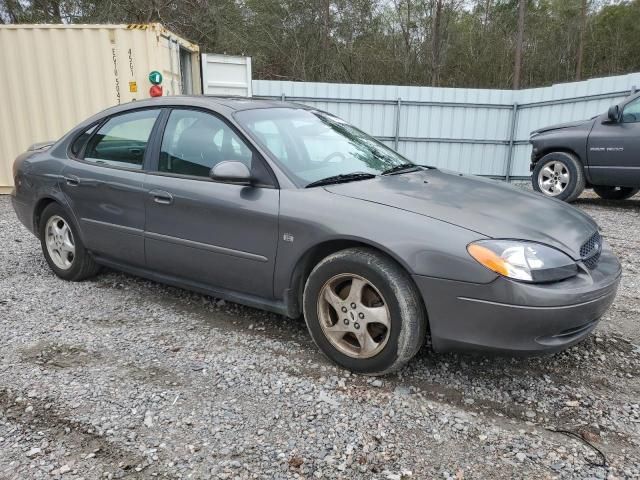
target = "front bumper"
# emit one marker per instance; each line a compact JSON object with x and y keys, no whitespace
{"x":516,"y":317}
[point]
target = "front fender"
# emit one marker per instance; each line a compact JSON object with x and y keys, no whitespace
{"x":571,"y":140}
{"x":422,"y":245}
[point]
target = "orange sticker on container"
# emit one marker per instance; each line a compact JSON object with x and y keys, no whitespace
{"x":133,"y":87}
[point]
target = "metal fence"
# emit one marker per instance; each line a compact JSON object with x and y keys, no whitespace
{"x":482,"y":132}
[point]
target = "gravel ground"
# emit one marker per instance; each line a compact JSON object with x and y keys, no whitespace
{"x":119,"y":377}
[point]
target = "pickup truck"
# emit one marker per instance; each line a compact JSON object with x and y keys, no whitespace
{"x":602,"y":153}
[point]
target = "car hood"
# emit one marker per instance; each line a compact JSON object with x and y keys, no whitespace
{"x":491,"y":208}
{"x":561,"y":126}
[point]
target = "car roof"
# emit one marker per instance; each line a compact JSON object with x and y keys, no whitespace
{"x":223,"y":105}
{"x":215,"y":102}
{"x":245,"y":103}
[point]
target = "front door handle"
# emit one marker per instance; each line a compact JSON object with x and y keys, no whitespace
{"x":72,"y":180}
{"x":162,"y":197}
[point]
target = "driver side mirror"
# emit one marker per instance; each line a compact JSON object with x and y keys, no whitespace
{"x":614,"y":114}
{"x":231,"y":171}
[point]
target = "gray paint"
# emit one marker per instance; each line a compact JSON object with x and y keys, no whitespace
{"x":255,"y":244}
{"x":609,"y":151}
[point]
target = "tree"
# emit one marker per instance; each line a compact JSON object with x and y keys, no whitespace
{"x":583,"y":27}
{"x":453,"y":43}
{"x":522,"y":5}
{"x":435,"y":43}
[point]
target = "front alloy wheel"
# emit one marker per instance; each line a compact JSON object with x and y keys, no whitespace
{"x":354,"y":316}
{"x":363,"y":311}
{"x":554,"y":178}
{"x":559,"y":175}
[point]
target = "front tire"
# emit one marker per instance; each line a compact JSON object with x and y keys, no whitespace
{"x":615,"y":193}
{"x":62,"y":247}
{"x":559,"y":175}
{"x":364,"y":312}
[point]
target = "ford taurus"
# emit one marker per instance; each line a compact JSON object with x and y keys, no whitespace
{"x":290,"y":209}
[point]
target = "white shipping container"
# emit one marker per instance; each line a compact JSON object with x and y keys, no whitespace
{"x":226,"y":75}
{"x":54,"y":76}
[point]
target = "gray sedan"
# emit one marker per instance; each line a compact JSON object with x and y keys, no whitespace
{"x":290,"y":209}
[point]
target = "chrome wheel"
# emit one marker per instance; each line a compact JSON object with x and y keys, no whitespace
{"x":354,"y":316}
{"x":60,"y":244}
{"x":554,"y":178}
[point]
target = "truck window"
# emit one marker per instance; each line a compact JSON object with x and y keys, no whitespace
{"x":631,"y":112}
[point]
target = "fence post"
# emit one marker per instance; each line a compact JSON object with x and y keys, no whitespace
{"x":397,"y":133}
{"x":282,"y":97}
{"x":512,"y":134}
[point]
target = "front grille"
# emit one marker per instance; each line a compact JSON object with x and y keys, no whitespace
{"x":590,"y":251}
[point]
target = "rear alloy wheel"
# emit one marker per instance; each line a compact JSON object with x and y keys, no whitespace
{"x":559,"y":175}
{"x":615,"y":193}
{"x":364,"y":312}
{"x":62,"y":246}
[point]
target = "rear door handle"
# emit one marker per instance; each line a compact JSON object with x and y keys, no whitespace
{"x":72,"y":180}
{"x":162,"y":197}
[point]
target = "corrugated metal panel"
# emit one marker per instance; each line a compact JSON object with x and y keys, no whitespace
{"x":226,"y":75}
{"x":54,"y":76}
{"x":467,"y":130}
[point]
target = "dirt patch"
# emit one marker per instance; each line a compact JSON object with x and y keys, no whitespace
{"x":46,"y":429}
{"x":58,"y":355}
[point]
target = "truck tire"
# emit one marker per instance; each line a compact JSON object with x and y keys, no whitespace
{"x":364,"y":312}
{"x":559,"y":175}
{"x":615,"y":193}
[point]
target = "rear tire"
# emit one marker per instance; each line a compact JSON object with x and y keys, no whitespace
{"x":364,"y":312}
{"x":559,"y":175}
{"x":615,"y":193}
{"x":62,"y":247}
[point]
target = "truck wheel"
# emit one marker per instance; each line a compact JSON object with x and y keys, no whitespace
{"x":559,"y":175}
{"x":364,"y":312}
{"x":615,"y":193}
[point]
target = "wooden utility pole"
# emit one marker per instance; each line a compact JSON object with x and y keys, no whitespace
{"x":517,"y":68}
{"x":583,"y":28}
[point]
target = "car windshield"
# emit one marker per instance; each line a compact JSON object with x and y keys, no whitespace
{"x":312,"y":146}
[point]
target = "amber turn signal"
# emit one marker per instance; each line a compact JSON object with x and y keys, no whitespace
{"x":488,"y":258}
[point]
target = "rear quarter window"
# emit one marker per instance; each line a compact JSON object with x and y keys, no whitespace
{"x":81,"y":140}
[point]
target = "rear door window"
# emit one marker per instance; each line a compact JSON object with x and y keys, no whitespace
{"x":122,"y":140}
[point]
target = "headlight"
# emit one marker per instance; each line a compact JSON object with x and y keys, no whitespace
{"x":525,"y":261}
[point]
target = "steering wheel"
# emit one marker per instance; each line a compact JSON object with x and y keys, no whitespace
{"x":338,"y":155}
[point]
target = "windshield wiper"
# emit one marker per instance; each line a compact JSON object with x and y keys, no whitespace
{"x":347,"y":177}
{"x":403,"y":167}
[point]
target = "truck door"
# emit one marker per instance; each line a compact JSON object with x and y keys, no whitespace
{"x":614,"y":149}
